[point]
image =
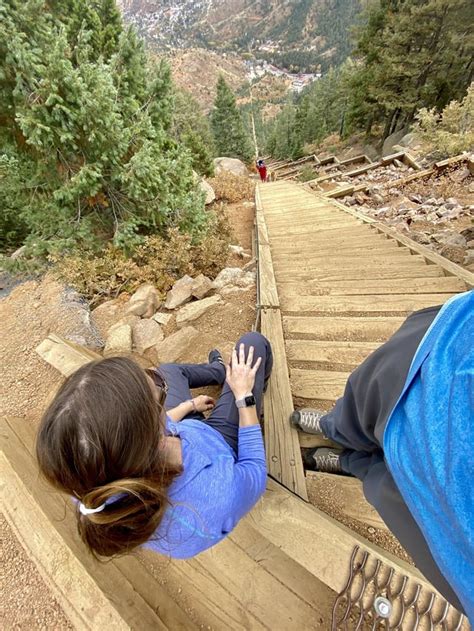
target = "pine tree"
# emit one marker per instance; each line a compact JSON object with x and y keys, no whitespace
{"x":87,"y":150}
{"x":230,"y":136}
{"x":191,"y":128}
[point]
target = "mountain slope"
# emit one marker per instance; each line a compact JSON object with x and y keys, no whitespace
{"x":303,"y":33}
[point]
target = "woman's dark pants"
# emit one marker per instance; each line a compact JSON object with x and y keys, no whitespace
{"x":225,"y":416}
{"x":357,"y":422}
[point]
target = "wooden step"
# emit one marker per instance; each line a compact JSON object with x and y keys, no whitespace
{"x":304,"y":273}
{"x":401,"y":304}
{"x":325,"y":385}
{"x":334,"y":353}
{"x":368,"y":329}
{"x":430,"y":285}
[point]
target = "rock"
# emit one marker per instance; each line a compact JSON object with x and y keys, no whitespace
{"x":237,"y":167}
{"x":145,"y":334}
{"x":162,"y":318}
{"x":430,"y":202}
{"x":460,"y":175}
{"x":195,"y":310}
{"x":453,"y":253}
{"x":106,"y":314}
{"x":234,"y":276}
{"x":415,"y":198}
{"x":229,"y":291}
{"x":144,"y":302}
{"x":128,"y":319}
{"x":180,"y":293}
{"x":350,"y":201}
{"x":119,"y":341}
{"x":378,"y":199}
{"x":470,"y":188}
{"x":174,"y":346}
{"x":208,"y":191}
{"x":398,"y":163}
{"x":202,"y":286}
{"x":18,"y":254}
{"x":405,"y":203}
{"x":452,"y":201}
{"x":450,"y":238}
{"x":469,"y":258}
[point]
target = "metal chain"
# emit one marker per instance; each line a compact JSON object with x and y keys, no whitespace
{"x":376,"y":598}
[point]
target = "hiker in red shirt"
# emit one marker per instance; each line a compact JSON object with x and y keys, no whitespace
{"x":262,"y":169}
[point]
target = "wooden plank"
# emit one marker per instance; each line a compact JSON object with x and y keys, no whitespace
{"x":325,"y":385}
{"x":281,"y":439}
{"x":307,"y":273}
{"x":368,"y":329}
{"x":309,"y":588}
{"x":93,"y":595}
{"x":432,"y":285}
{"x":329,"y":351}
{"x":322,"y":546}
{"x":316,"y":257}
{"x":64,"y":355}
{"x":402,"y":304}
{"x":362,"y":264}
{"x":268,"y":294}
{"x":349,"y":497}
{"x":442,"y":164}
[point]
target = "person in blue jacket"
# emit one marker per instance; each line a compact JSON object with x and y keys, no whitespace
{"x":406,"y":429}
{"x":145,"y":466}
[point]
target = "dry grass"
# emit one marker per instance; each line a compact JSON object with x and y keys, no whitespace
{"x":159,"y":261}
{"x":232,"y":188}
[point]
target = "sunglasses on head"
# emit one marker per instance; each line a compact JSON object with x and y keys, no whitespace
{"x":159,"y":382}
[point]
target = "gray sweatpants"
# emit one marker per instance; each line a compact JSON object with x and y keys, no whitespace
{"x":357,"y":422}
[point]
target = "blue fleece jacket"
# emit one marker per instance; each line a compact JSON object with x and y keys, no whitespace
{"x":215,"y":490}
{"x":429,"y":441}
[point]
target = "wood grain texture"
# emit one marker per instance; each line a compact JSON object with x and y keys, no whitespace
{"x":281,"y":439}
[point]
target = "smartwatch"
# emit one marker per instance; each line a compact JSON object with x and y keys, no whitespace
{"x":247,"y":402}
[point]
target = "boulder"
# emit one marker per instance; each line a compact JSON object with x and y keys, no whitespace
{"x":195,"y":310}
{"x":128,"y":319}
{"x":106,"y":314}
{"x":119,"y":341}
{"x":162,"y":318}
{"x":202,"y":286}
{"x":237,"y":167}
{"x":378,"y":199}
{"x":145,"y":334}
{"x":234,"y":276}
{"x":144,"y":302}
{"x":208,"y":191}
{"x":180,"y":293}
{"x":175,"y":346}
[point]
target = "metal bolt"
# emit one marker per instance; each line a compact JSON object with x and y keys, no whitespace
{"x":383,"y":607}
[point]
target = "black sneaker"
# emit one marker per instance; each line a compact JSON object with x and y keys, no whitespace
{"x":308,"y":420}
{"x":323,"y":459}
{"x":215,"y":356}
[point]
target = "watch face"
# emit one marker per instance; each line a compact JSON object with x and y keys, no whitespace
{"x":249,"y":401}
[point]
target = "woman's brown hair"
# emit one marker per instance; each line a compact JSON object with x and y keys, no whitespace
{"x":99,"y":441}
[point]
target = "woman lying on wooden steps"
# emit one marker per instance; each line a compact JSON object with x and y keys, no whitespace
{"x":406,"y":423}
{"x":146,"y":466}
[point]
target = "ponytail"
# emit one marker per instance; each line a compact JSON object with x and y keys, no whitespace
{"x":99,"y":441}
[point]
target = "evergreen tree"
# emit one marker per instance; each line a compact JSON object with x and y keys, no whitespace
{"x":191,"y":129}
{"x":230,"y":136}
{"x":416,"y":53}
{"x":87,"y":150}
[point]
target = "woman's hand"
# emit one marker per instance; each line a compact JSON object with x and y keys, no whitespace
{"x":240,"y":375}
{"x":203,"y":403}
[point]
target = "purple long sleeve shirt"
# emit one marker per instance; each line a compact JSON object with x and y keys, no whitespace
{"x":215,"y":490}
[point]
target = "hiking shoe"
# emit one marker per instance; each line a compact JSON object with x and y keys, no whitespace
{"x":308,"y":420}
{"x":323,"y":459}
{"x":215,"y":356}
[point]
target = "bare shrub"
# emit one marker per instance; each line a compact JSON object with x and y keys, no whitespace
{"x":232,"y":188}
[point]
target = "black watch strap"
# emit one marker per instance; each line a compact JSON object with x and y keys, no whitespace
{"x":247,"y":401}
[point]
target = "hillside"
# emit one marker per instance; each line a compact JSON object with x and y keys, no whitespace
{"x":308,"y":35}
